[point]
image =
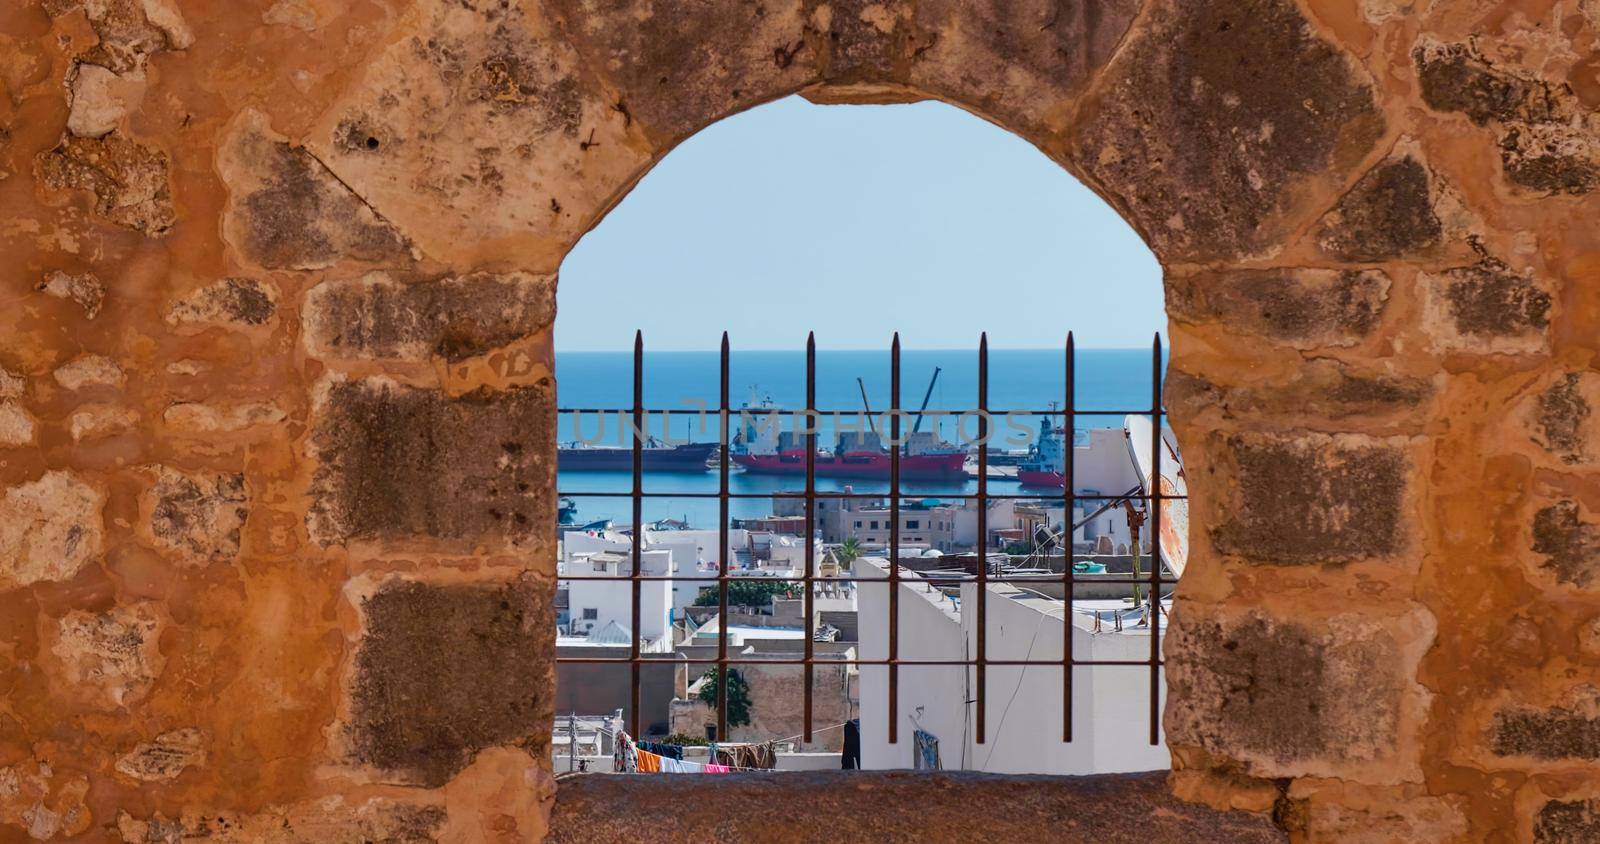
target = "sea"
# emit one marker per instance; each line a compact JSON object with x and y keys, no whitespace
{"x":1024,"y":385}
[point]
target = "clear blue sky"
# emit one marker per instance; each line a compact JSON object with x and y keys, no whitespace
{"x":858,"y":221}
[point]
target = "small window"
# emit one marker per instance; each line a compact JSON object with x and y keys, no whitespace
{"x":874,"y":525}
{"x":913,"y":524}
{"x":858,"y":524}
{"x":591,"y":614}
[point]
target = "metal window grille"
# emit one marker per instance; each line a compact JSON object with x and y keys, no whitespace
{"x":978,"y":662}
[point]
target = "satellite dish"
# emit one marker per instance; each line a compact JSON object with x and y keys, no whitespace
{"x":1173,"y":543}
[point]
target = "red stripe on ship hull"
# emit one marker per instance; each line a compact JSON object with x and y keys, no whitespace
{"x":856,"y":466}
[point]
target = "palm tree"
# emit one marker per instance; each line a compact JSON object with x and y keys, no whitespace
{"x":849,"y":550}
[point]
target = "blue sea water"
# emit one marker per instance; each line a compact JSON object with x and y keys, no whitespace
{"x":1021,"y":381}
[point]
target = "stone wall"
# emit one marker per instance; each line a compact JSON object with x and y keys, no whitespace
{"x":276,"y":455}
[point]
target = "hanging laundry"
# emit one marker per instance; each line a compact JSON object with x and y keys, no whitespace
{"x":713,"y":768}
{"x":670,"y":751}
{"x":850,"y":759}
{"x":763,"y":756}
{"x":623,"y":756}
{"x":649,"y":763}
{"x":926,"y":755}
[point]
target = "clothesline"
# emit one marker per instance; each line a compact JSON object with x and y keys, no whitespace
{"x":631,"y":758}
{"x":803,"y":735}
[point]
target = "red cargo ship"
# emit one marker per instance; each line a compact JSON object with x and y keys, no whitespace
{"x":761,"y":448}
{"x":1045,"y":462}
{"x":855,"y":464}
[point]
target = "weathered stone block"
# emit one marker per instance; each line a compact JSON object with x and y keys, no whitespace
{"x":1567,"y":822}
{"x":101,"y":98}
{"x":128,"y":32}
{"x":453,"y":318}
{"x":1562,"y":733}
{"x":444,"y":671}
{"x":201,"y":418}
{"x":87,"y":371}
{"x":111,"y":659}
{"x":1304,"y":308}
{"x":17,"y":426}
{"x":1321,"y":389}
{"x":1456,"y":78}
{"x":288,"y":212}
{"x":1310,"y":498}
{"x":399,"y":463}
{"x":1549,"y":140}
{"x":478,"y":123}
{"x":1569,"y":544}
{"x":239,"y":301}
{"x":198,"y":516}
{"x":680,"y":66}
{"x":44,"y":804}
{"x":861,"y":40}
{"x":1561,"y":416}
{"x":49,"y":529}
{"x":1487,"y":308}
{"x":1241,"y":96}
{"x":11,"y":385}
{"x":129,"y":181}
{"x":84,"y":288}
{"x":94,"y":421}
{"x":374,"y":820}
{"x":1396,"y":817}
{"x":1332,"y":696}
{"x":1388,"y":214}
{"x":1023,"y":63}
{"x":897,"y":806}
{"x":164,"y":758}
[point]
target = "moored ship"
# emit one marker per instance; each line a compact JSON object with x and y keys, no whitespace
{"x":1046,"y":461}
{"x":762,"y":449}
{"x":655,"y":456}
{"x":855,"y":464}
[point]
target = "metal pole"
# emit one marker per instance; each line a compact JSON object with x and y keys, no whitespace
{"x":638,"y":527}
{"x":1155,"y":542}
{"x":1068,"y":430}
{"x":722,"y":553}
{"x":811,"y":515}
{"x":983,"y":534}
{"x":894,"y":540}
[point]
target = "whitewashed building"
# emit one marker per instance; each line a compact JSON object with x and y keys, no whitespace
{"x":1111,"y":704}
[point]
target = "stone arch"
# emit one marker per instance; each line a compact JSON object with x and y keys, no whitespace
{"x":1371,"y":229}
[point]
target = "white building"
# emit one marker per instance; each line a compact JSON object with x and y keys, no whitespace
{"x":681,"y":554}
{"x":1111,"y":704}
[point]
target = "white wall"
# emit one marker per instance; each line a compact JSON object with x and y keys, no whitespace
{"x":613,"y":601}
{"x":930,"y":628}
{"x":1110,"y":704}
{"x":1024,"y":704}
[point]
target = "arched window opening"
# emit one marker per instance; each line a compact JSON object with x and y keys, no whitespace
{"x":911,"y":274}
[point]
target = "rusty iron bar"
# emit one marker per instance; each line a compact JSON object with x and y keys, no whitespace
{"x":978,"y":662}
{"x":638,"y":523}
{"x":811,"y":520}
{"x":599,"y":660}
{"x":943,"y":579}
{"x":656,"y":578}
{"x":863,"y":496}
{"x":1155,"y":542}
{"x":894,"y":539}
{"x":722,"y":553}
{"x":1068,"y":438}
{"x":778,"y":411}
{"x":981,"y":670}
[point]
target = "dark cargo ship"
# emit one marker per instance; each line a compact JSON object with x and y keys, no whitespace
{"x":655,"y":456}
